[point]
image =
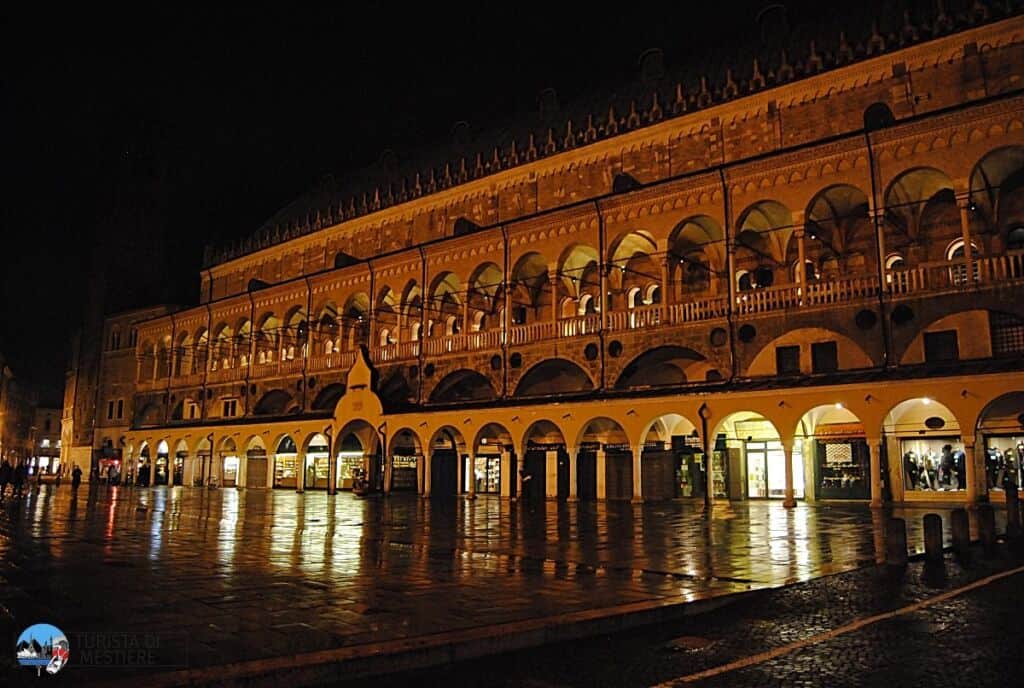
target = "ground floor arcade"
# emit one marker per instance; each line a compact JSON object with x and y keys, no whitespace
{"x":949,"y":439}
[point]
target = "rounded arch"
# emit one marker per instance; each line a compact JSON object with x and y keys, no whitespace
{"x":493,"y":435}
{"x":995,"y":185}
{"x":764,"y":229}
{"x":327,"y":398}
{"x":463,"y":385}
{"x":273,"y":403}
{"x":745,"y":425}
{"x":448,"y":437}
{"x":837,"y":217}
{"x":849,"y":354}
{"x":554,"y":376}
{"x":912,"y":415}
{"x":404,"y":440}
{"x":255,"y":443}
{"x":827,"y":414}
{"x":446,"y":288}
{"x":285,"y":444}
{"x":664,"y":427}
{"x":227,"y":446}
{"x":577,"y":268}
{"x":627,"y":244}
{"x":396,"y":391}
{"x":181,"y":447}
{"x":529,"y":286}
{"x":486,"y":280}
{"x":909,"y":194}
{"x":543,"y":432}
{"x":163,"y":448}
{"x":662,"y":366}
{"x":602,"y":430}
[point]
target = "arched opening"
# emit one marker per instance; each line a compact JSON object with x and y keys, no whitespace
{"x":396,"y":392}
{"x":203,"y":463}
{"x":662,"y":366}
{"x":997,"y":190}
{"x":446,"y":304}
{"x":492,"y":447}
{"x":359,"y":448}
{"x":763,"y":236}
{"x":273,"y":403}
{"x":144,"y":467}
{"x":412,"y":310}
{"x":447,"y":455}
{"x":181,"y":473}
{"x":162,"y":464}
{"x":327,"y":398}
{"x":1001,"y":434}
{"x":632,"y":269}
{"x":355,"y":325}
{"x":546,"y":465}
{"x":748,"y":459}
{"x":603,"y":442}
{"x":834,"y":441}
{"x":672,"y":459}
{"x":920,"y":209}
{"x":697,"y":257}
{"x":386,"y":316}
{"x":485,"y":295}
{"x":531,"y":289}
{"x":578,"y":273}
{"x":255,"y":463}
{"x":230,"y":465}
{"x":462,"y":385}
{"x":838,"y":234}
{"x":406,"y":456}
{"x":316,"y":462}
{"x":200,"y":351}
{"x":554,"y":376}
{"x":926,"y":436}
{"x":328,"y":330}
{"x":223,"y":344}
{"x":286,"y":463}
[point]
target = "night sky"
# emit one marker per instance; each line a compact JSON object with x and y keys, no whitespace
{"x":241,"y":111}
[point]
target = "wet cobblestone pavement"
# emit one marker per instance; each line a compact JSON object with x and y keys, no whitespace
{"x":972,"y":640}
{"x":249,"y":574}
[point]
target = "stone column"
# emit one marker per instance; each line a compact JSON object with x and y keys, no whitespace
{"x":965,"y":232}
{"x":388,"y":468}
{"x":460,"y":478}
{"x":573,"y":461}
{"x":471,"y":491}
{"x":980,"y":474}
{"x":506,"y":474}
{"x":974,"y":485}
{"x":873,"y":447}
{"x":875,"y":454}
{"x":332,"y":469}
{"x":638,"y":475}
{"x":427,"y":459}
{"x":270,"y":470}
{"x":551,"y":475}
{"x":790,"y":501}
{"x":300,"y":472}
{"x":420,"y":486}
{"x":553,"y":279}
{"x":602,"y":473}
{"x":801,"y":252}
{"x":519,"y":465}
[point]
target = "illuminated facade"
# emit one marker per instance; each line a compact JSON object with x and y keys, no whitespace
{"x":814,"y":274}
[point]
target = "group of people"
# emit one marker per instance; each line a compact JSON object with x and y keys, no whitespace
{"x":17,"y":477}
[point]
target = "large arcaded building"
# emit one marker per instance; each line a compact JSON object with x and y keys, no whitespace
{"x":812,"y":270}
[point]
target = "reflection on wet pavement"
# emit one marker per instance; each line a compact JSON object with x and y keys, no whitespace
{"x":243,"y":572}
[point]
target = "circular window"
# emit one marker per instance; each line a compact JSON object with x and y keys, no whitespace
{"x":1015,"y":238}
{"x":902,"y":314}
{"x":934,"y":423}
{"x":590,"y":351}
{"x":615,"y":349}
{"x":516,"y":360}
{"x":495,"y":362}
{"x":747,"y":333}
{"x":312,"y":382}
{"x":719,"y":336}
{"x":713,"y":376}
{"x":764,"y":277}
{"x":866,"y":319}
{"x":428,"y":370}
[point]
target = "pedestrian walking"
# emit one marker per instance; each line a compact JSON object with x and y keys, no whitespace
{"x":76,"y":477}
{"x":6,"y":476}
{"x":20,"y":476}
{"x":60,"y":474}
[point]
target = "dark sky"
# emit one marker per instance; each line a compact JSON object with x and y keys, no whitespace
{"x":245,"y":109}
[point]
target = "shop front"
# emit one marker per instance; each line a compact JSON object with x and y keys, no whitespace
{"x":486,"y":474}
{"x":404,"y":472}
{"x":933,"y":464}
{"x":348,"y":462}
{"x":1001,"y":437}
{"x":841,"y":461}
{"x":286,"y":464}
{"x":317,"y":464}
{"x":230,"y":469}
{"x":178,"y":474}
{"x":766,"y":470}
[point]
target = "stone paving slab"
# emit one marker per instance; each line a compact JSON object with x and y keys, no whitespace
{"x":249,"y":575}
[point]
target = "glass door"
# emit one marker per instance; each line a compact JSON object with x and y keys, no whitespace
{"x":230,"y":471}
{"x":757,"y":470}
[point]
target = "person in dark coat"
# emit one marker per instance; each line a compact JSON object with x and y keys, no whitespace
{"x":20,"y":476}
{"x":76,"y":477}
{"x":6,"y":476}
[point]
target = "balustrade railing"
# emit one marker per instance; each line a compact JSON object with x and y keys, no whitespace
{"x":333,"y":360}
{"x":696,"y":310}
{"x":533,"y":332}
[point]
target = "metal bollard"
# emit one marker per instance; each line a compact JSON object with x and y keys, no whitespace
{"x":932,"y":538}
{"x":987,"y":527}
{"x":896,"y":542}
{"x":1012,"y":510}
{"x":961,"y":534}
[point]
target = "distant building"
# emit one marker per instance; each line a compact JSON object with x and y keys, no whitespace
{"x":46,"y":441}
{"x":17,"y":408}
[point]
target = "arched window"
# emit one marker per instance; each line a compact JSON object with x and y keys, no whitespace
{"x":895,"y":261}
{"x":328,"y":347}
{"x":479,"y":321}
{"x":587,"y":305}
{"x":385,"y":337}
{"x":810,"y":273}
{"x":763,"y":277}
{"x":414,"y":332}
{"x":115,"y":338}
{"x":451,"y":326}
{"x":744,"y":281}
{"x":653,"y":294}
{"x":955,"y":250}
{"x":1015,"y":238}
{"x":633,"y":297}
